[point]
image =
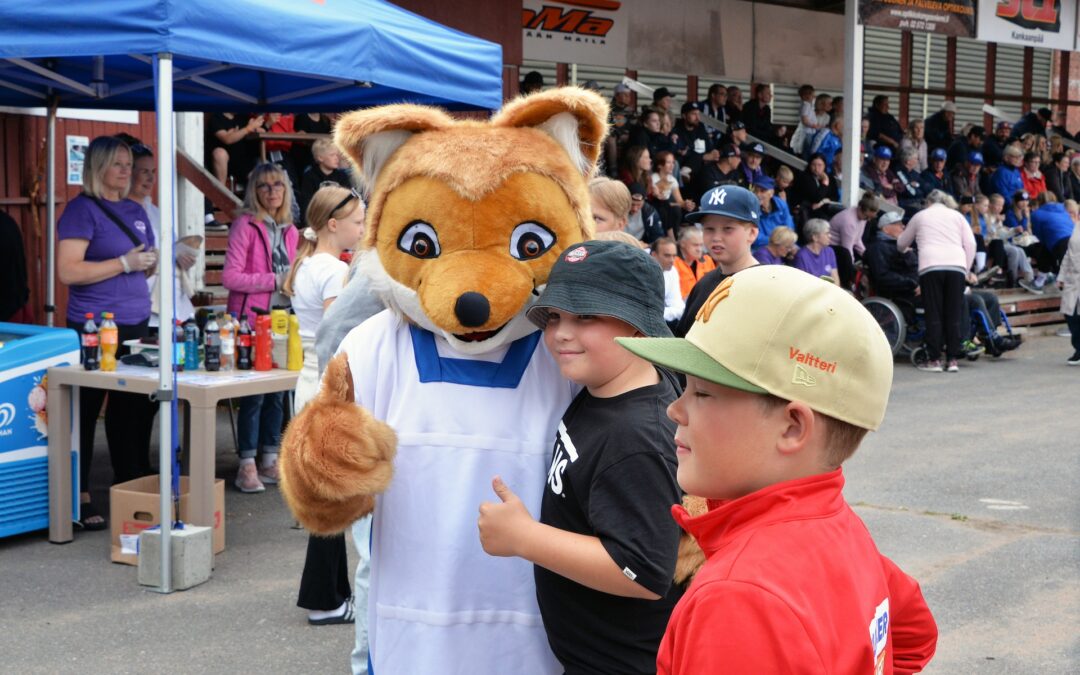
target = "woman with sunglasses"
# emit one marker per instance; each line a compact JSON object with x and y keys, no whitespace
{"x":262,"y":245}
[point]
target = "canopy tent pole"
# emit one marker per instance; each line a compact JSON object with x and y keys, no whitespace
{"x":853,"y":94}
{"x":166,"y":286}
{"x":50,"y":214}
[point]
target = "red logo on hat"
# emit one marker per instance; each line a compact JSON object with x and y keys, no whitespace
{"x":576,"y":255}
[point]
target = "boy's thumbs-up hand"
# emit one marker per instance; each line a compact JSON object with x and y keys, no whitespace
{"x":503,"y":525}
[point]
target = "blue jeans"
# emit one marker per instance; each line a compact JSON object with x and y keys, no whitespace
{"x":258,"y":426}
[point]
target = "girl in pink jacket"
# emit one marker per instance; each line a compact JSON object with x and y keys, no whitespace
{"x":262,"y":245}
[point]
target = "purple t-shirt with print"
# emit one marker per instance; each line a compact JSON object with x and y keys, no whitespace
{"x":125,"y":295}
{"x":819,"y":264}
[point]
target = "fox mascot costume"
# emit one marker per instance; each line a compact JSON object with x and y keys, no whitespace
{"x":450,"y":386}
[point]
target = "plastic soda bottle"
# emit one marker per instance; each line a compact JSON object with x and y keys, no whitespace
{"x":90,"y":344}
{"x":178,"y":347}
{"x":110,"y":339}
{"x":228,"y":343}
{"x":264,"y":342}
{"x":244,"y":360}
{"x":191,"y":346}
{"x":279,"y":334}
{"x":212,"y":344}
{"x":295,"y":360}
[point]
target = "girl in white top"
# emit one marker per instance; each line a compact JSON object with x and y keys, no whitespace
{"x":335,"y":223}
{"x":665,"y":186}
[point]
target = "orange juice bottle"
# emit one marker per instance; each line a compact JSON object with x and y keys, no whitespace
{"x":110,"y":338}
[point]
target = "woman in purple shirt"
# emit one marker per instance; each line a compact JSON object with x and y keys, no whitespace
{"x":817,"y":257}
{"x":106,"y":249}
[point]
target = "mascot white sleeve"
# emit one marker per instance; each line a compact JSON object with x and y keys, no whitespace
{"x":450,"y":386}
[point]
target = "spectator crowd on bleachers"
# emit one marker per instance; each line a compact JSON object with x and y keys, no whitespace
{"x":1016,"y":185}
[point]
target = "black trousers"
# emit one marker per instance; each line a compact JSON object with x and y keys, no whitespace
{"x":129,"y":420}
{"x":324,"y":584}
{"x":845,"y":266}
{"x":943,"y":300}
{"x":1049,"y":260}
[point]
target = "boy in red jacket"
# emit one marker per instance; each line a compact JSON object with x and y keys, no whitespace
{"x":785,"y":375}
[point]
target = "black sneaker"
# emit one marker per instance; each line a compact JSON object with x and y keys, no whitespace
{"x":1074,"y":360}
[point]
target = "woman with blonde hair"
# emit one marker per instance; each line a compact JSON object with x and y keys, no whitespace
{"x":335,"y":223}
{"x":780,"y":249}
{"x":105,"y":252}
{"x":262,"y":245}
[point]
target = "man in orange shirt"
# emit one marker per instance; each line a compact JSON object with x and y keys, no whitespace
{"x":692,"y":262}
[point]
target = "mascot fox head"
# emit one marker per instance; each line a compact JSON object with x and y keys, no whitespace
{"x":466,"y":218}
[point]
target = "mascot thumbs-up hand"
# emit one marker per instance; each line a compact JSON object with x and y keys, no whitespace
{"x":335,"y":457}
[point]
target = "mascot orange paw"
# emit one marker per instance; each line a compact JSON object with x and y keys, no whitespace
{"x":691,"y":557}
{"x":335,"y":457}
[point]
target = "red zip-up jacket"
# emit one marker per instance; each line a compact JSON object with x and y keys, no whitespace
{"x":793,"y":583}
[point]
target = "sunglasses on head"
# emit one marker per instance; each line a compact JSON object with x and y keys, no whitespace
{"x":353,"y":194}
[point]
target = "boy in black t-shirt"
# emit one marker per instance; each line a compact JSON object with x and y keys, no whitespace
{"x":605,"y":546}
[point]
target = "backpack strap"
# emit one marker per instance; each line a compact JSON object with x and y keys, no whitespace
{"x":116,"y":219}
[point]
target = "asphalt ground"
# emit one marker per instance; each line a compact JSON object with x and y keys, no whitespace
{"x":971,"y":486}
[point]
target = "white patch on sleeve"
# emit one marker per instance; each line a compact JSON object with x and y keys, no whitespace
{"x":879,"y":634}
{"x":629,"y":573}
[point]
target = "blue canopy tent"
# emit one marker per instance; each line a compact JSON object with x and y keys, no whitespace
{"x":235,"y":56}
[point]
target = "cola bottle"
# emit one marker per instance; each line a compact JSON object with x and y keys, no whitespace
{"x":243,"y":345}
{"x":91,"y":344}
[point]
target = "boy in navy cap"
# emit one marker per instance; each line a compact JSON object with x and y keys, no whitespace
{"x":605,"y":545}
{"x":730,"y":218}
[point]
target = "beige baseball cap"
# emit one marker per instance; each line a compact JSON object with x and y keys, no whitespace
{"x":778,"y":330}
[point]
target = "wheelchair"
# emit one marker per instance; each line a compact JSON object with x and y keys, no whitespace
{"x":906,"y":330}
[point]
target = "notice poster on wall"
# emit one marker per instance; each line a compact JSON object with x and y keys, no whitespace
{"x":589,"y":32}
{"x":955,"y":18}
{"x":76,"y":156}
{"x":1049,"y":24}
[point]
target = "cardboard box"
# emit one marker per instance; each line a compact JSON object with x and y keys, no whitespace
{"x":133,"y":507}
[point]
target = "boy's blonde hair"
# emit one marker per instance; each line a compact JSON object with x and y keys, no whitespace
{"x":841,"y":438}
{"x":321,"y":147}
{"x":620,"y":236}
{"x":322,"y":207}
{"x":612,"y":195}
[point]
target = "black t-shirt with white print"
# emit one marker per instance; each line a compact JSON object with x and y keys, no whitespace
{"x":612,"y":476}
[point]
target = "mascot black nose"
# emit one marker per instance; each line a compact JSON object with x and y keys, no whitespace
{"x":472,"y":309}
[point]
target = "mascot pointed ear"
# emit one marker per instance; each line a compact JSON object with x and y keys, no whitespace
{"x":577,"y":119}
{"x":370,"y":137}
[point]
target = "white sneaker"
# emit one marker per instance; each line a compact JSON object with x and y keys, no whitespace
{"x":1063,"y":332}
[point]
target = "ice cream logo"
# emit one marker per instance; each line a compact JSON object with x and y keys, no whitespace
{"x":37,"y":400}
{"x":7,"y":416}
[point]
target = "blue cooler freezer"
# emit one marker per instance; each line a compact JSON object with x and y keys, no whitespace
{"x":25,"y":353}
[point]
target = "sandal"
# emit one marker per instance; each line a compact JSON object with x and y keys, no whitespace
{"x":86,"y":521}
